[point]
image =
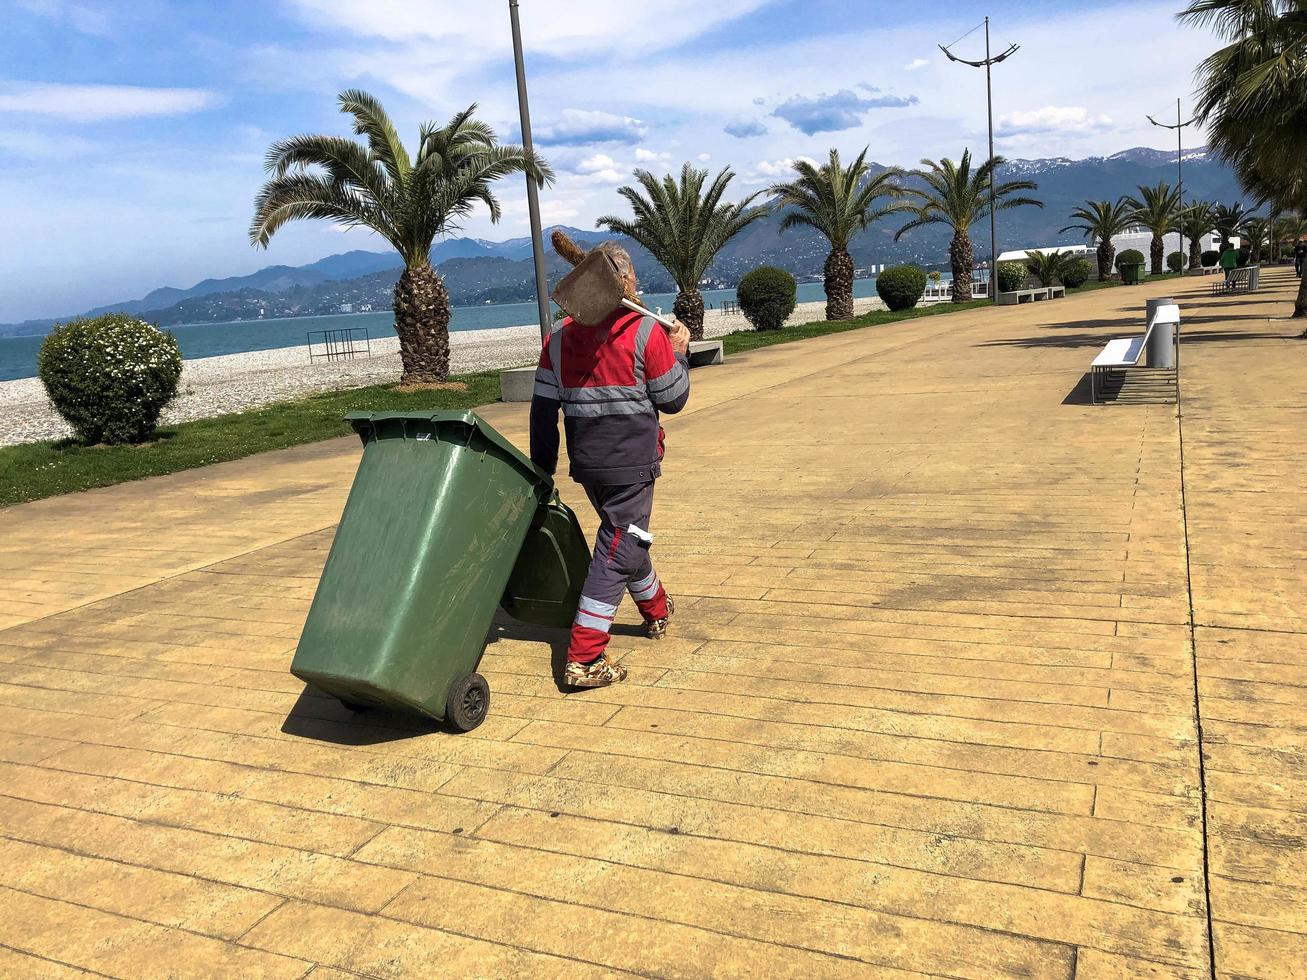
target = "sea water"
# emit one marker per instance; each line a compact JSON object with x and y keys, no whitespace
{"x":18,"y":354}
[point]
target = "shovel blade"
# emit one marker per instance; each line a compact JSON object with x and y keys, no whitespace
{"x":591,"y":291}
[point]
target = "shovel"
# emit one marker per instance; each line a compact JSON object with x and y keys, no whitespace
{"x":593,"y":289}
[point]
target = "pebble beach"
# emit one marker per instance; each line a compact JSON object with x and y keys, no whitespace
{"x":212,"y":386}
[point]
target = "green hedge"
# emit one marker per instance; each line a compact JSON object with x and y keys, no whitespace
{"x":1131,"y":256}
{"x":901,"y":287}
{"x":767,"y":297}
{"x":1077,"y":273}
{"x":1176,"y":262}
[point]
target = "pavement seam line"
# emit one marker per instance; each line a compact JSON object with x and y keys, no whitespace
{"x":1198,"y":708}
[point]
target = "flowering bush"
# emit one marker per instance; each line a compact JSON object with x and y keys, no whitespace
{"x":1011,"y":276}
{"x":110,"y":377}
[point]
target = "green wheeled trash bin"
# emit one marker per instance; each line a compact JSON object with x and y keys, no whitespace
{"x":545,"y":585}
{"x":432,"y":532}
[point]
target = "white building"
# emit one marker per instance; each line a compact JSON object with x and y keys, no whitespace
{"x":1136,"y":237}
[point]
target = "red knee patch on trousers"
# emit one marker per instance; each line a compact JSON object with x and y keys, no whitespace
{"x":586,"y":644}
{"x":655,"y":608}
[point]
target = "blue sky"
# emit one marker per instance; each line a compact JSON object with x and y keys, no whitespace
{"x":132,"y":133}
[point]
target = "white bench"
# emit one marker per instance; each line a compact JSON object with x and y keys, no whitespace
{"x":1036,"y":295}
{"x":1118,"y":355}
{"x":1124,"y":353}
{"x":703,"y":352}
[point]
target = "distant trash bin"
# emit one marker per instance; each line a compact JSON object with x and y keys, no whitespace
{"x":1132,"y":273}
{"x":431,"y":536}
{"x":1160,"y":351}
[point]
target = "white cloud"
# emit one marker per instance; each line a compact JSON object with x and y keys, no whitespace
{"x":704,"y":156}
{"x":779,"y":168}
{"x":81,"y":18}
{"x":1051,"y":119}
{"x":592,"y":164}
{"x":650,"y":156}
{"x":563,"y":28}
{"x":574,"y":126}
{"x":916,"y":63}
{"x":94,"y":103}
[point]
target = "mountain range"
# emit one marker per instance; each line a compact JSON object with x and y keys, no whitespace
{"x":476,"y":270}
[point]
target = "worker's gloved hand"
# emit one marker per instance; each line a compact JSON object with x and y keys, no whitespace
{"x":680,"y":337}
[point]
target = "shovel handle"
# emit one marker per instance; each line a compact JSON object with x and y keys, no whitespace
{"x":632,"y":305}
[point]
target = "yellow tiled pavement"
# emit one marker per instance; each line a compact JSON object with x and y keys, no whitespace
{"x":928,"y":708}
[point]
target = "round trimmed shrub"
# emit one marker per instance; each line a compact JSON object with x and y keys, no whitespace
{"x":1211,"y":257}
{"x":1176,"y":262}
{"x":1131,"y":256}
{"x":934,"y":276}
{"x":1241,"y":257}
{"x":767,"y":297}
{"x":1011,"y":276}
{"x":110,"y":377}
{"x":1077,"y":273}
{"x":901,"y":286}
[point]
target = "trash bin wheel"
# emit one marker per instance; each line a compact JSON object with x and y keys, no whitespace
{"x":468,"y":702}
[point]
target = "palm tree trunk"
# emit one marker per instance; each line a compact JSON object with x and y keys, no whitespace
{"x":959,"y":253}
{"x":1300,"y":304}
{"x":422,"y":322}
{"x":1106,"y":252}
{"x":689,"y":310}
{"x":838,"y":284}
{"x":1195,"y":251}
{"x":1155,"y":250}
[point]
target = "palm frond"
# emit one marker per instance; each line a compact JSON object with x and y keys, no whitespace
{"x":679,"y":222}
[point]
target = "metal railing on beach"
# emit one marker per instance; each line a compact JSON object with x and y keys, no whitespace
{"x":339,"y":344}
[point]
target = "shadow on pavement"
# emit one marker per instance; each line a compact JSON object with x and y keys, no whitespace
{"x":322,"y":718}
{"x":506,"y":628}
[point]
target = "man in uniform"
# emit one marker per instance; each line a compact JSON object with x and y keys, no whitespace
{"x":611,"y":381}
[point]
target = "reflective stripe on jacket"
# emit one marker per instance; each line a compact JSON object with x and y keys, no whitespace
{"x":611,"y":381}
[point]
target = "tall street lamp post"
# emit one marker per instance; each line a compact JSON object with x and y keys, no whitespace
{"x":988,"y":62}
{"x":1179,"y":165}
{"x":532,"y":195}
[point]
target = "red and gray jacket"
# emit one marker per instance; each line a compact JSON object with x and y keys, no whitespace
{"x":611,"y":381}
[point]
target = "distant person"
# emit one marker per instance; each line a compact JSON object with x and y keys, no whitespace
{"x":1299,"y":258}
{"x":1229,"y":261}
{"x":611,"y":381}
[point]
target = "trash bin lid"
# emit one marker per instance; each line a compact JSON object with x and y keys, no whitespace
{"x":367,"y":424}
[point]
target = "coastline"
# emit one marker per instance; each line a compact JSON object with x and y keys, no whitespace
{"x":227,"y":383}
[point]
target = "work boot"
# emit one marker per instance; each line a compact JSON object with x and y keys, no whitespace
{"x":598,"y":673}
{"x":656,"y":629}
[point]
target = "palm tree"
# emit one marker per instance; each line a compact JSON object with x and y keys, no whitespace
{"x":1050,"y":268}
{"x":1290,"y":228}
{"x":1253,"y":98}
{"x":1157,"y":209}
{"x":1256,"y":232}
{"x":407,"y":201}
{"x":683,"y":227}
{"x":1199,"y":219}
{"x":838,"y":201}
{"x":1102,"y":221}
{"x":1232,"y":221}
{"x":956,"y":196}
